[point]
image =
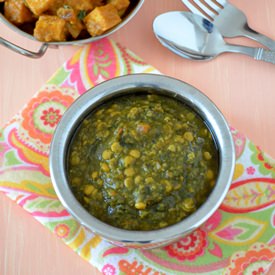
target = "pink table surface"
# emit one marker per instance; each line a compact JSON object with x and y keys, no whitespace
{"x":240,"y":86}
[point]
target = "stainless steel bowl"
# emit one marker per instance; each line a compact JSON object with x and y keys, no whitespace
{"x":122,"y":86}
{"x":133,"y":9}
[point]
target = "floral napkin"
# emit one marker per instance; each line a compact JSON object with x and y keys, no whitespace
{"x":237,"y":239}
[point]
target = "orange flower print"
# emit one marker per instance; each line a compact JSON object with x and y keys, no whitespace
{"x":189,"y":247}
{"x":43,"y":113}
{"x":255,"y":261}
{"x":62,"y":230}
{"x":134,"y":268}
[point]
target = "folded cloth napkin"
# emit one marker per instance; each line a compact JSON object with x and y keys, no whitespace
{"x":237,"y":239}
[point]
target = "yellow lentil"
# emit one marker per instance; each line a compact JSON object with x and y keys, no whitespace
{"x":135,"y":153}
{"x":140,"y":205}
{"x":88,"y":190}
{"x":138,"y":179}
{"x":107,"y":154}
{"x":128,"y":160}
{"x":129,"y":172}
{"x":209,"y":174}
{"x":188,"y":136}
{"x":105,"y":167}
{"x":207,"y":155}
{"x":116,"y":147}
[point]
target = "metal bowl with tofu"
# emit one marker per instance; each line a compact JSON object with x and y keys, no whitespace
{"x":64,"y":22}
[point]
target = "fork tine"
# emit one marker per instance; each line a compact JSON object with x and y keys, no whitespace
{"x":193,"y":9}
{"x":221,"y":2}
{"x":207,"y":11}
{"x":214,"y":6}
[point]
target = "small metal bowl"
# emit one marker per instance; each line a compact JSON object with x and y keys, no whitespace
{"x":133,"y":84}
{"x":130,"y":13}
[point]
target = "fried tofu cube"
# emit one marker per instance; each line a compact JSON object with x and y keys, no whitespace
{"x":73,"y":23}
{"x":84,"y":5}
{"x":79,"y":6}
{"x":120,"y":5}
{"x":98,"y":3}
{"x":54,"y":6}
{"x":17,"y":12}
{"x":75,"y":29}
{"x":50,"y":28}
{"x":101,"y":19}
{"x":39,"y":6}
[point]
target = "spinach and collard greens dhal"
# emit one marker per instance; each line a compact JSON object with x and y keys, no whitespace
{"x":142,"y":162}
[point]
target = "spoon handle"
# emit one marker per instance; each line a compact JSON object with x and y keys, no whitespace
{"x":257,"y":53}
{"x":265,"y":55}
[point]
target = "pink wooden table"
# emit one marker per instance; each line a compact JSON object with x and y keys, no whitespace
{"x":241,"y":87}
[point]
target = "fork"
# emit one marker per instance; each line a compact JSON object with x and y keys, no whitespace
{"x":231,"y":21}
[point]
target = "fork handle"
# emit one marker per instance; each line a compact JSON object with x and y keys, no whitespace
{"x":261,"y":38}
{"x":265,"y":55}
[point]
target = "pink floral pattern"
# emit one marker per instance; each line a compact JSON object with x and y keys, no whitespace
{"x":213,"y":222}
{"x":250,"y":170}
{"x":189,"y":247}
{"x":239,"y":141}
{"x":51,"y":117}
{"x":108,"y":269}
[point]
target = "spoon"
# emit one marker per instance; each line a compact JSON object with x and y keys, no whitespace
{"x":194,"y":37}
{"x":180,"y":52}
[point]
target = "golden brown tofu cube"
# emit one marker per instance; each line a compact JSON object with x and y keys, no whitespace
{"x":98,"y":3}
{"x":50,"y":28}
{"x":101,"y":19}
{"x":53,"y":7}
{"x":120,"y":5}
{"x":16,"y":12}
{"x":68,"y":14}
{"x":85,"y":5}
{"x":73,"y":23}
{"x":39,"y":6}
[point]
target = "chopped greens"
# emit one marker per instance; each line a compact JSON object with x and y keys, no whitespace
{"x":142,"y":162}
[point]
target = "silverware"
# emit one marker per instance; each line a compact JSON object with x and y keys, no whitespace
{"x":179,"y":51}
{"x":230,"y":20}
{"x":194,"y":37}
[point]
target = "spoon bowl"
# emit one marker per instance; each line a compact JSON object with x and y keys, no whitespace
{"x":189,"y":33}
{"x":182,"y":52}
